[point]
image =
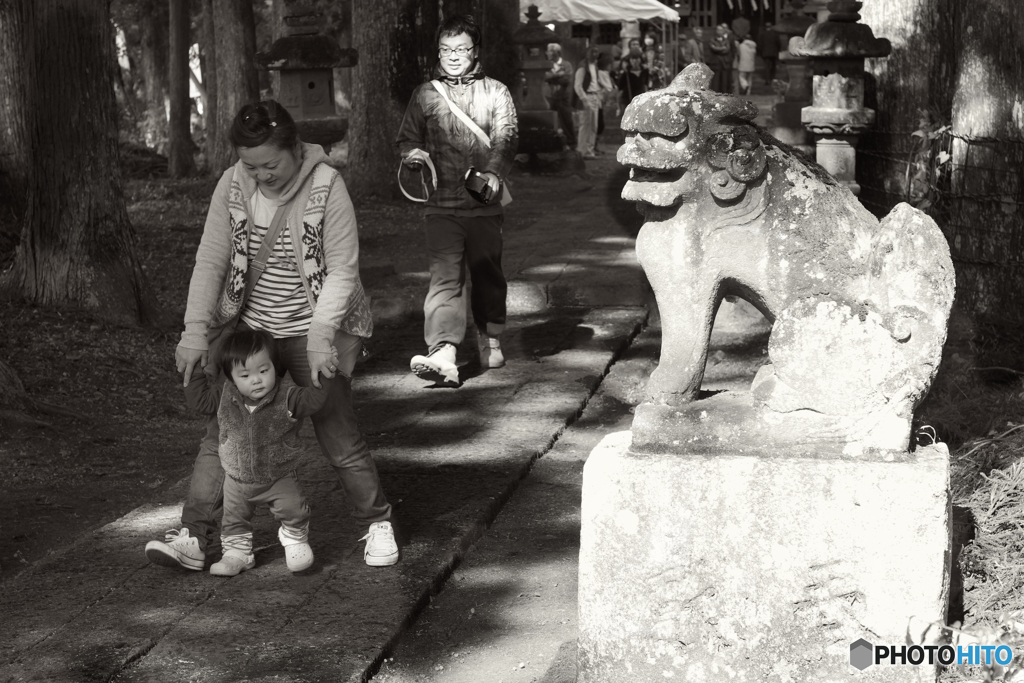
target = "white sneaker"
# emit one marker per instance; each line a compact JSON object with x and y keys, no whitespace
{"x":233,"y":563}
{"x":438,"y":365}
{"x":490,"y":352}
{"x":178,"y":549}
{"x":381,"y":549}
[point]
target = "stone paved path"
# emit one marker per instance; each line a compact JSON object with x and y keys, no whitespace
{"x":449,"y":461}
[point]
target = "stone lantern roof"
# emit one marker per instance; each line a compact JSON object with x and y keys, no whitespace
{"x":841,"y":36}
{"x":307,"y":52}
{"x":533,"y":32}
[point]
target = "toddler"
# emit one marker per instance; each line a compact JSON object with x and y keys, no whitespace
{"x":259,"y":425}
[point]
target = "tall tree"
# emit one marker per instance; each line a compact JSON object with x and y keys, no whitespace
{"x":180,"y":162}
{"x":14,"y":145}
{"x":987,"y":222}
{"x":208,"y":67}
{"x":77,"y":244}
{"x":153,"y":65}
{"x":385,"y":35}
{"x":964,"y":67}
{"x":237,"y":83}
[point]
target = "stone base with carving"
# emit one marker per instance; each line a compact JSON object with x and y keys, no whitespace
{"x":757,"y":564}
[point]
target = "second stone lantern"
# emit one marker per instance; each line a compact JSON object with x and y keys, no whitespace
{"x":837,"y":116}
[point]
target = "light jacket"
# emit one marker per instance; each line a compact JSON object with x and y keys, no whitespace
{"x":342,"y":292}
{"x":430,"y":125}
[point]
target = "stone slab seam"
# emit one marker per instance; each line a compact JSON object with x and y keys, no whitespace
{"x":477,"y":530}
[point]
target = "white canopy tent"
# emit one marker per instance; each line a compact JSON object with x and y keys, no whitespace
{"x":599,"y":11}
{"x":612,"y":11}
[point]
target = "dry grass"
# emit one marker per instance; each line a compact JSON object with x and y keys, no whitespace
{"x":976,"y":407}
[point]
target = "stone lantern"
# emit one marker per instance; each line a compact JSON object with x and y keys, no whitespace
{"x":306,"y":60}
{"x":538,"y":123}
{"x":837,"y":116}
{"x":786,"y":124}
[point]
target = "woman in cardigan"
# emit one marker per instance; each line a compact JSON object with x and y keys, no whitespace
{"x":308,"y":297}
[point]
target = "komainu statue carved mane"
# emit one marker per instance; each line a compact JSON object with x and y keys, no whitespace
{"x":859,"y":307}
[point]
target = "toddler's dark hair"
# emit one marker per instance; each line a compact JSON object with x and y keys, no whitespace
{"x":458,"y":24}
{"x":242,"y":344}
{"x":263,"y":122}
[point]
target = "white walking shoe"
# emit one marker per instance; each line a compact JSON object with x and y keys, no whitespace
{"x":178,"y":549}
{"x":381,"y":549}
{"x":438,"y":365}
{"x":233,"y":563}
{"x":298,"y":555}
{"x":490,"y":352}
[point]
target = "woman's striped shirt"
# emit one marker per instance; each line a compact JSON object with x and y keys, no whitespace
{"x":278,"y":303}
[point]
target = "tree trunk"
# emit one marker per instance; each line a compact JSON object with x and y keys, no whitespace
{"x":77,"y":244}
{"x":153,"y":50}
{"x":179,"y":131}
{"x":385,"y":36}
{"x":14,"y":145}
{"x":498,"y":21}
{"x":237,"y":83}
{"x":208,"y":66}
{"x":986,"y":222}
{"x":915,"y":78}
{"x":966,"y":69}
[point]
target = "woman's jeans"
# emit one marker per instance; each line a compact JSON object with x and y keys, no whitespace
{"x":336,"y":430}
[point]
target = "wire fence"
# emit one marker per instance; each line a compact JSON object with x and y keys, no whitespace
{"x":973,"y":187}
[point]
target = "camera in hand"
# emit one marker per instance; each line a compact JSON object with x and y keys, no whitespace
{"x":476,"y":185}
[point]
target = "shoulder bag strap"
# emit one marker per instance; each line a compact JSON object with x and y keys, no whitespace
{"x":506,"y":196}
{"x":259,"y":262}
{"x":470,"y":123}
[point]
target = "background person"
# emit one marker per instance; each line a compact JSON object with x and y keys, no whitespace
{"x":309,"y":299}
{"x":720,"y":59}
{"x":768,"y":48}
{"x":560,"y":83}
{"x":691,"y":51}
{"x":462,"y":233}
{"x":746,"y":53}
{"x":588,"y":93}
{"x":634,"y":80}
{"x":607,"y":92}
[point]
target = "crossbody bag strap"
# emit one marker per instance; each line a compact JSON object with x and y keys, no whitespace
{"x":470,"y":123}
{"x":506,"y":196}
{"x":259,"y":262}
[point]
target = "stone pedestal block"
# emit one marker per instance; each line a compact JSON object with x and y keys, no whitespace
{"x":764,"y":566}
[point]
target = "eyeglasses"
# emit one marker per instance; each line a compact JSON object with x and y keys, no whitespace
{"x":460,"y":51}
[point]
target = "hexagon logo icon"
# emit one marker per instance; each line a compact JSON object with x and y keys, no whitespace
{"x":861,"y":654}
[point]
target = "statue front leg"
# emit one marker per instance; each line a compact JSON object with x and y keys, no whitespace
{"x":687,"y":299}
{"x":685,"y":332}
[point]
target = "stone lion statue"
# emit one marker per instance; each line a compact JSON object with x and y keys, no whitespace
{"x":859,"y":307}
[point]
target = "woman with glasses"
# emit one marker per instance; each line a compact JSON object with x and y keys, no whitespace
{"x":464,"y":121}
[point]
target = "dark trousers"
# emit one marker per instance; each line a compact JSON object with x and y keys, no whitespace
{"x":457,"y":246}
{"x":565,"y":120}
{"x":769,"y":69}
{"x":722,"y":80}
